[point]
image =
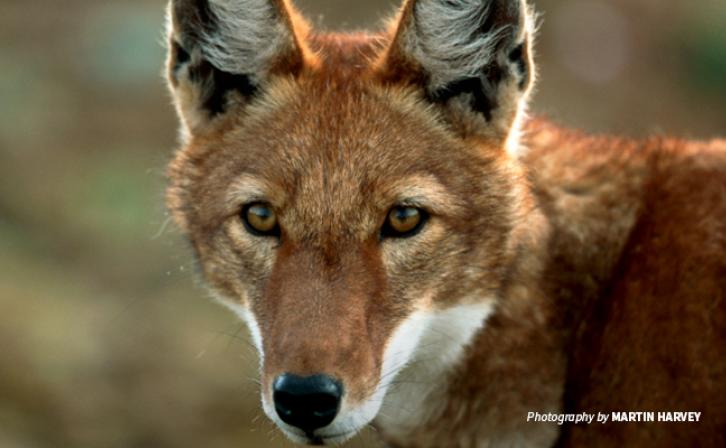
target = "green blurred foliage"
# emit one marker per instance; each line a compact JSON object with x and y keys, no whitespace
{"x":705,"y":55}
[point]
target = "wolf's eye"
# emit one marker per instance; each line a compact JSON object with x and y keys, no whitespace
{"x":403,"y":222}
{"x":260,"y":219}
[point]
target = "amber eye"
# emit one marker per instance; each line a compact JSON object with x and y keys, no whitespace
{"x":403,"y":222}
{"x":260,"y":219}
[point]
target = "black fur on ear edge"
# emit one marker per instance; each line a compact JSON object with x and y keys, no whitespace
{"x":213,"y":84}
{"x":475,"y":50}
{"x":481,"y":90}
{"x":225,"y":50}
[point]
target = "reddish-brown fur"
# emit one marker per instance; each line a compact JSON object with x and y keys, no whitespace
{"x":645,"y":321}
{"x":606,"y":255}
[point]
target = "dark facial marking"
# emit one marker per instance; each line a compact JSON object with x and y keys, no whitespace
{"x":482,"y":93}
{"x":217,"y":84}
{"x":516,"y":56}
{"x":180,"y":57}
{"x":195,"y":19}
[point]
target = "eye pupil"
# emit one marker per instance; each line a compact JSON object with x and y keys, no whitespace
{"x":260,"y":219}
{"x":260,"y":212}
{"x":403,"y":222}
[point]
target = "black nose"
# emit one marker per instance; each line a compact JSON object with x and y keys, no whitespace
{"x":309,"y":402}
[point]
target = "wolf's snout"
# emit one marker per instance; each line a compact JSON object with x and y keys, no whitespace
{"x":309,"y":402}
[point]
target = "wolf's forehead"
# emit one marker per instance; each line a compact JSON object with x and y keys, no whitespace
{"x":336,"y":192}
{"x":341,"y":155}
{"x":334,"y":142}
{"x":350,"y":195}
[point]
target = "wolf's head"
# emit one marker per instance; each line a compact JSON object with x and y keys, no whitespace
{"x":356,"y":199}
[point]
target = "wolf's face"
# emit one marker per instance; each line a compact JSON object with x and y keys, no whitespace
{"x":356,"y":221}
{"x":329,"y":239}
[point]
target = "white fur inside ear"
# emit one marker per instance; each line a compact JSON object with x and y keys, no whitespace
{"x":448,"y":39}
{"x":247,"y":35}
{"x":450,"y":42}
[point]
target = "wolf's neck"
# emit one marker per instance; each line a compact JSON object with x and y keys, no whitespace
{"x":590,"y":188}
{"x":480,"y":379}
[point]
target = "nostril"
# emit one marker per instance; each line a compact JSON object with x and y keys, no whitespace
{"x":307,"y":403}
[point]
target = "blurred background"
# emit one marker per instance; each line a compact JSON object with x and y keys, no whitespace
{"x":106,"y":337}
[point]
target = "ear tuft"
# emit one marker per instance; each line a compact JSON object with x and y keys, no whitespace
{"x":475,"y":54}
{"x":223,"y":51}
{"x":238,"y":36}
{"x":454,"y":40}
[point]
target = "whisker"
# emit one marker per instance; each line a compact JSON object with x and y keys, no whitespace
{"x":162,"y":228}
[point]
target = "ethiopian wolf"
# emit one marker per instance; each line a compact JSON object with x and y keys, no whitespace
{"x":410,"y":251}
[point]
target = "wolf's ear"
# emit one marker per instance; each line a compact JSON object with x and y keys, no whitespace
{"x":222,"y":52}
{"x":474,"y":55}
